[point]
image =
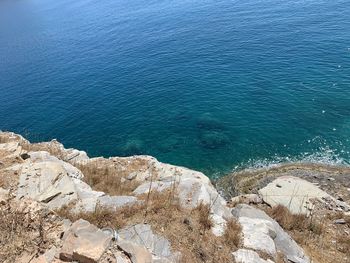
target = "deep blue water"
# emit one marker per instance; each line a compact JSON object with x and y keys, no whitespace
{"x":210,"y":85}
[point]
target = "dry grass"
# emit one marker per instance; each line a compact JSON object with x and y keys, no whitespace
{"x":102,"y":174}
{"x":8,"y":178}
{"x":101,"y":217}
{"x":301,"y":225}
{"x":20,"y":234}
{"x":204,"y":216}
{"x":188,"y":230}
{"x":324,"y":241}
{"x":232,"y":233}
{"x":3,"y":138}
{"x":107,"y":179}
{"x":52,"y":147}
{"x":289,"y":221}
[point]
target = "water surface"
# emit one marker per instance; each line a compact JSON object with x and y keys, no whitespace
{"x":210,"y":85}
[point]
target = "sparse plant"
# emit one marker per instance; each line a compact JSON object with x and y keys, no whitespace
{"x":288,"y":220}
{"x":204,"y":216}
{"x":106,"y":179}
{"x":232,"y":233}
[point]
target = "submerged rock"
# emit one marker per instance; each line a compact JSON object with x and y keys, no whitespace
{"x":133,"y":147}
{"x":214,"y":139}
{"x":208,"y":122}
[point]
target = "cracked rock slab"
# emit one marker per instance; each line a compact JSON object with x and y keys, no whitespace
{"x":294,"y":193}
{"x":136,"y":253}
{"x":84,"y":242}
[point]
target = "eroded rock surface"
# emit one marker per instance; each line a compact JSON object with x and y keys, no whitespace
{"x":84,"y":243}
{"x":297,"y":195}
{"x":262,"y":233}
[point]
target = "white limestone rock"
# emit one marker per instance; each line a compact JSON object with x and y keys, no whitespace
{"x":258,"y":234}
{"x":248,"y":256}
{"x":12,"y":148}
{"x":296,"y":194}
{"x":262,"y":233}
{"x":142,"y":235}
{"x":84,"y":242}
{"x":55,"y":183}
{"x":115,"y":202}
{"x":192,"y":187}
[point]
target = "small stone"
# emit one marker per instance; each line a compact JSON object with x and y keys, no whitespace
{"x":4,"y":195}
{"x":25,"y":156}
{"x":131,"y":176}
{"x":339,"y":198}
{"x":340,"y":221}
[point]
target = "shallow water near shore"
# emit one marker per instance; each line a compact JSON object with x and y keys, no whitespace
{"x":210,"y":85}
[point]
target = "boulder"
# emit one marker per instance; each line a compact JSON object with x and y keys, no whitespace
{"x":269,"y":235}
{"x":84,"y":243}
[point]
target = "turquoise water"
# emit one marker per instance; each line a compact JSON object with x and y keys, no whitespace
{"x":210,"y":85}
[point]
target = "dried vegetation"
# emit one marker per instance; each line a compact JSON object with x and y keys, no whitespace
{"x":188,"y":230}
{"x":323,"y":240}
{"x":21,"y":234}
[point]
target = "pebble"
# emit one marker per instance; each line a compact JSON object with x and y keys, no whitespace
{"x":340,"y":221}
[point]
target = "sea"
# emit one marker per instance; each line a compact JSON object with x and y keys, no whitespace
{"x":214,"y":86}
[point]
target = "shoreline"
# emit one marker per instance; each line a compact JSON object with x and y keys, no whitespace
{"x":330,"y":178}
{"x":172,"y":204}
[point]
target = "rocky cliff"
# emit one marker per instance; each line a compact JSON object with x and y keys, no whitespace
{"x":59,"y":205}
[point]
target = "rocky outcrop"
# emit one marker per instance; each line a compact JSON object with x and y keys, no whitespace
{"x":262,"y":233}
{"x":54,"y":182}
{"x":334,"y":180}
{"x":192,"y":188}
